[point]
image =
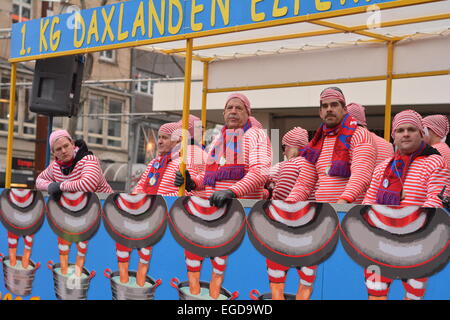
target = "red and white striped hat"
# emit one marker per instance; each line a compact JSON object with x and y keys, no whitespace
{"x":243,"y":98}
{"x":438,"y":123}
{"x":193,"y":122}
{"x":296,"y":137}
{"x":201,"y":208}
{"x":21,"y":197}
{"x":74,"y":201}
{"x":133,"y":203}
{"x":407,"y":117}
{"x":358,"y":112}
{"x":168,"y":128}
{"x":291,"y":214}
{"x":332,"y":94}
{"x":397,"y":219}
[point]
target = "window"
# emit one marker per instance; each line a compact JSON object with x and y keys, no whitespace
{"x":114,"y":123}
{"x":4,"y":106}
{"x":104,"y":128}
{"x":29,"y":125}
{"x":95,"y":122}
{"x":145,"y":87}
{"x":21,"y":10}
{"x":108,"y":56}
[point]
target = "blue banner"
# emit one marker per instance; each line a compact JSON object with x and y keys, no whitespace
{"x":132,"y":23}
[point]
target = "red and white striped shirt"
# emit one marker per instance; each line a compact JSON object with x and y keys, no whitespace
{"x":444,"y":150}
{"x":196,"y":158}
{"x":87,"y":176}
{"x":288,"y":173}
{"x":385,"y":150}
{"x":329,"y":188}
{"x":424,"y":180}
{"x":257,"y":155}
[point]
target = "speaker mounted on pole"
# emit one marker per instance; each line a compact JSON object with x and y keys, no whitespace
{"x":57,"y":86}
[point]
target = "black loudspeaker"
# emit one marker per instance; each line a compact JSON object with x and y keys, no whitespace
{"x":57,"y":86}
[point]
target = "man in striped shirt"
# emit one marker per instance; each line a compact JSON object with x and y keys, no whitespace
{"x":436,"y":131}
{"x":159,"y":176}
{"x":384,"y":148}
{"x":237,"y":167}
{"x":74,"y":169}
{"x":341,"y":156}
{"x":414,"y":176}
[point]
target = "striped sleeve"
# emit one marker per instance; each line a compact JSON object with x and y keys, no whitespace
{"x":45,"y":178}
{"x":258,"y":151}
{"x":305,"y":184}
{"x":87,"y":175}
{"x":437,"y":177}
{"x":444,"y":150}
{"x":286,"y":178}
{"x":363,"y":163}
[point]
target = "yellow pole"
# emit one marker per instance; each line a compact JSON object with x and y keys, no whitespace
{"x":204,"y":97}
{"x":12,"y":111}
{"x":388,"y":106}
{"x":186,"y":110}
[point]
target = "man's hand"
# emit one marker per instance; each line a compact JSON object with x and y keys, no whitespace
{"x":54,"y":190}
{"x":179,"y":180}
{"x":342,"y":201}
{"x":220,"y":198}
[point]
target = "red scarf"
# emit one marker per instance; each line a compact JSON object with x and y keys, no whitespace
{"x":391,"y":185}
{"x":156,"y":173}
{"x":219,"y":165}
{"x":340,"y":162}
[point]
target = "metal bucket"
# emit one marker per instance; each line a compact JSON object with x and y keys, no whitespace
{"x":255,"y":295}
{"x":18,"y":281}
{"x":70,"y":287}
{"x":124,"y":292}
{"x":183,"y":291}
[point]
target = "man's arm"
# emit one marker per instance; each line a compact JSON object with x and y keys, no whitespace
{"x":438,"y":177}
{"x":259,"y":163}
{"x":363,"y":164}
{"x":89,"y":176}
{"x":305,"y":184}
{"x":45,"y":178}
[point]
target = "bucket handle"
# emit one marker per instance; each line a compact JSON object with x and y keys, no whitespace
{"x":234,"y":295}
{"x":158,"y":283}
{"x":92,"y":274}
{"x":50,"y":264}
{"x":107,"y":273}
{"x":254,"y":294}
{"x":174,"y":282}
